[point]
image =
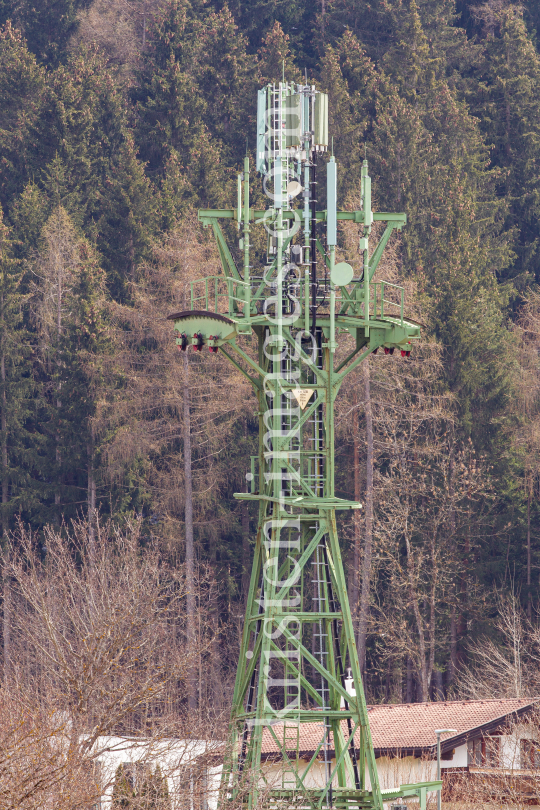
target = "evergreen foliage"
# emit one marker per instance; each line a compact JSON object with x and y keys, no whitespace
{"x":103,"y":161}
{"x":154,"y":792}
{"x":123,"y":795}
{"x":47,"y":26}
{"x":505,"y":100}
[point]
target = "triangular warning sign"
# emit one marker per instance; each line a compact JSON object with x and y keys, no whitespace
{"x":303,"y":395}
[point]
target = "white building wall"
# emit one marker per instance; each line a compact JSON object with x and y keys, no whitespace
{"x":510,"y":750}
{"x":459,"y":759}
{"x":392,"y":772}
{"x":511,"y":746}
{"x":173,"y":757}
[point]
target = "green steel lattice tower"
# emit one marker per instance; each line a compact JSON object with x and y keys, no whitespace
{"x":298,"y":643}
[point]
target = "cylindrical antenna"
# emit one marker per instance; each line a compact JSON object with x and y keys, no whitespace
{"x":313,"y":242}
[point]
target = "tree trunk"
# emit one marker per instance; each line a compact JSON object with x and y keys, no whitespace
{"x":58,"y":456}
{"x":6,"y":621}
{"x":190,"y":555}
{"x":144,"y":26}
{"x":422,"y":663}
{"x":5,"y":482}
{"x":91,"y":501}
{"x":216,"y":680}
{"x":461,"y":624}
{"x":432,"y":611}
{"x":409,"y":683}
{"x":452,"y":660}
{"x":387,"y":681}
{"x":438,"y":690}
{"x":529,"y":594}
{"x":366,"y":563}
{"x":6,"y":614}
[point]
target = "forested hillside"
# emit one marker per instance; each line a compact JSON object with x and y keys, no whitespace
{"x":118,"y":119}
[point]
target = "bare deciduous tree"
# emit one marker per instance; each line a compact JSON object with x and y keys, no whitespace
{"x":172,"y":423}
{"x":96,"y":632}
{"x":527,"y":437}
{"x":506,"y":665}
{"x":118,"y":27}
{"x":99,"y":649}
{"x":37,"y":767}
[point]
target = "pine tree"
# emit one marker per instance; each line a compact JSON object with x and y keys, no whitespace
{"x":67,"y":301}
{"x":123,"y":795}
{"x":506,"y":102}
{"x":350,"y":79}
{"x":275,"y":57}
{"x":16,"y":393}
{"x":154,"y":793}
{"x":22,"y":87}
{"x":47,"y":26}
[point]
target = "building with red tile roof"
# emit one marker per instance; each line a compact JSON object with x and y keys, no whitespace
{"x":408,"y":729}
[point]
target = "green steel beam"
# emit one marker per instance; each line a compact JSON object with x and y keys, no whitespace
{"x":298,"y":638}
{"x":206,"y":215}
{"x":227,"y":261}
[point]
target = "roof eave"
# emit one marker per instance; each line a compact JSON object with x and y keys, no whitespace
{"x":461,"y":738}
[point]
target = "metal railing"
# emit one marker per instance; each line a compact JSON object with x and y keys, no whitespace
{"x":221,"y":295}
{"x":380,"y":300}
{"x":234,"y":297}
{"x":385,"y":299}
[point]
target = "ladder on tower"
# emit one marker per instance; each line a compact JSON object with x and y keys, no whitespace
{"x":290,"y":740}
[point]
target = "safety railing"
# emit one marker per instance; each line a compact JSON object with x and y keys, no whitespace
{"x":225,"y":296}
{"x":386,"y":300}
{"x":234,"y":297}
{"x":384,"y":303}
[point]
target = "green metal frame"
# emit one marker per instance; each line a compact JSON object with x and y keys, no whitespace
{"x":298,"y":639}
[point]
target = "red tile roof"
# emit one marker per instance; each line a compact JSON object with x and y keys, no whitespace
{"x":412,"y":725}
{"x":408,"y":726}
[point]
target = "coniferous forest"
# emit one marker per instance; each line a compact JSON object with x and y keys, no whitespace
{"x":118,"y":120}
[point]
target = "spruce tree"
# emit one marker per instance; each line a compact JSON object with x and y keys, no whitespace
{"x":275,"y":57}
{"x":350,"y":79}
{"x":227,"y":83}
{"x":431,"y":161}
{"x":123,"y":795}
{"x":67,"y":300}
{"x":188,"y":119}
{"x":17,"y":456}
{"x":506,"y":95}
{"x":169,"y":108}
{"x":77,"y":151}
{"x":22,"y":88}
{"x":257,"y":18}
{"x":47,"y":26}
{"x":154,"y":792}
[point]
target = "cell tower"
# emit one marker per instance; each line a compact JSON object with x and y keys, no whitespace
{"x":298,"y":659}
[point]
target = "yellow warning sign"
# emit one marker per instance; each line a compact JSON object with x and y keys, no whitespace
{"x":303,"y":395}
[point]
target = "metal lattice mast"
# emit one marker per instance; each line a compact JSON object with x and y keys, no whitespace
{"x":298,"y":641}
